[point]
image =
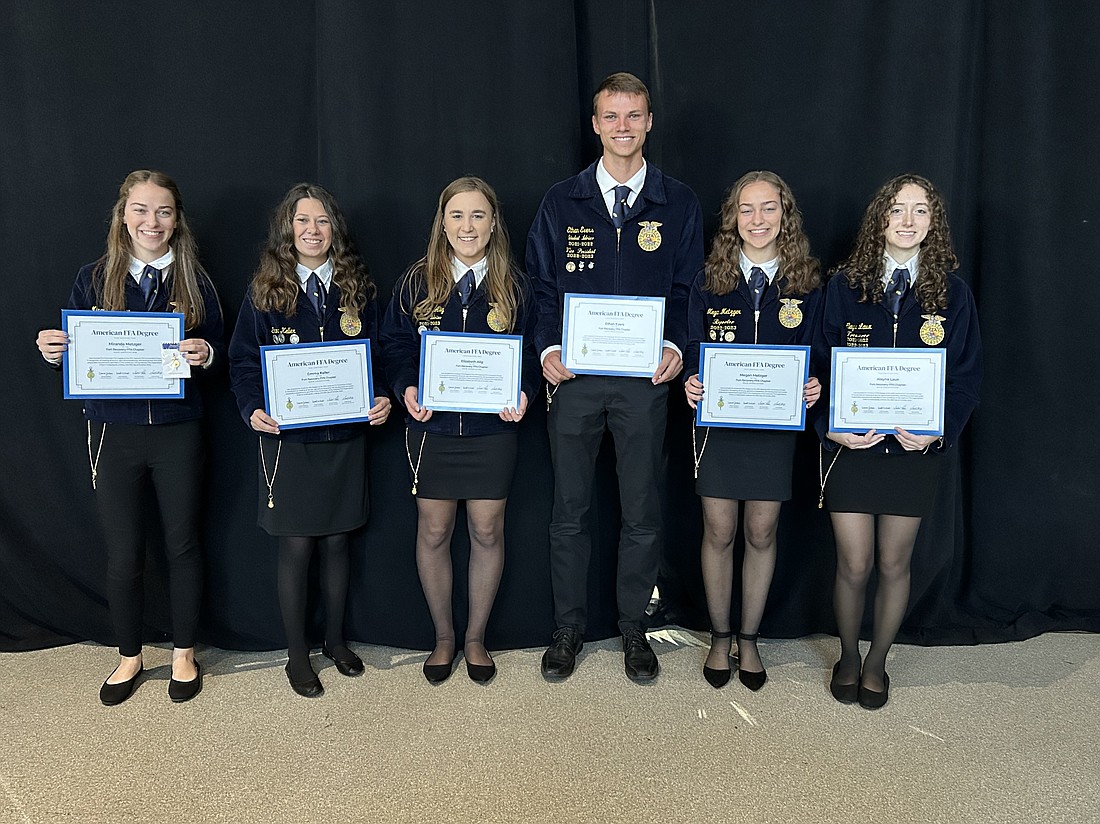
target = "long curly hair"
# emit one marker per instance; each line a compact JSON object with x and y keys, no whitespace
{"x":864,"y":267}
{"x":113,"y":267}
{"x":275,"y":285}
{"x":722,"y":269}
{"x":434,"y":269}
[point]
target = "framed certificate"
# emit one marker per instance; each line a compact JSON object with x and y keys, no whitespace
{"x":752,"y":387}
{"x":312,"y":384}
{"x":874,"y":388}
{"x":118,"y":354}
{"x":464,"y":372}
{"x":612,"y":335}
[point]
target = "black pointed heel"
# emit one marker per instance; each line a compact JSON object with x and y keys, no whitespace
{"x":752,"y":680}
{"x":717,"y":678}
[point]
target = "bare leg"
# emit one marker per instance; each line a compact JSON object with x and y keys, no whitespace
{"x":855,"y":557}
{"x":486,"y":521}
{"x":434,"y":525}
{"x":716,"y":559}
{"x":896,"y":536}
{"x":128,"y":667}
{"x":183,"y":664}
{"x":761,"y":521}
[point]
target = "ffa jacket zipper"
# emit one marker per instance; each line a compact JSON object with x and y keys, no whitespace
{"x":465,"y":312}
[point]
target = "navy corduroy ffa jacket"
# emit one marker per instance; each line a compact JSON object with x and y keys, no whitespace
{"x":573,"y":246}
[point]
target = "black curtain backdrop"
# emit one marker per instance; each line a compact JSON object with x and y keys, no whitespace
{"x":385,"y":103}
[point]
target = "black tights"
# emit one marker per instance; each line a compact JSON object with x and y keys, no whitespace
{"x":855,"y":558}
{"x":293,"y":580}
{"x":435,"y":524}
{"x":716,"y":555}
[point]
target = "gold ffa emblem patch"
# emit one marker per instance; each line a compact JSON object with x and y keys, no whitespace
{"x":789,"y":313}
{"x":350,"y":324}
{"x":494,"y":319}
{"x":931,"y":331}
{"x":648,"y":237}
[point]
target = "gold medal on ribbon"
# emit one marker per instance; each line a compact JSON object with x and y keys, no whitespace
{"x":350,"y":324}
{"x":494,"y":319}
{"x":931,"y":331}
{"x":649,"y":238}
{"x":789,"y":313}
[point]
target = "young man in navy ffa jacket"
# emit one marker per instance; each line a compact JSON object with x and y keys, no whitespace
{"x":620,"y":227}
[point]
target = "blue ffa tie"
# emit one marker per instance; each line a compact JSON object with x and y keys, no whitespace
{"x":757,"y":282}
{"x":315,"y":290}
{"x":621,"y":210}
{"x":895,"y":290}
{"x":466,"y":287}
{"x":150,"y":280}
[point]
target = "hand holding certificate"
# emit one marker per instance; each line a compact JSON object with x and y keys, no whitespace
{"x":753,"y":387}
{"x":464,"y":372}
{"x":318,"y":383}
{"x":881,"y":389}
{"x":123,"y":354}
{"x":612,"y":335}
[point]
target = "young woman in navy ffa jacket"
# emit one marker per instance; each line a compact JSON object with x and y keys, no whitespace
{"x":759,"y":285}
{"x":150,"y":265}
{"x":466,"y":282}
{"x":894,"y":290}
{"x":311,"y":286}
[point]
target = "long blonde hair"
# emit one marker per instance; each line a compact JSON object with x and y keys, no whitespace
{"x":434,"y":269}
{"x":113,"y":268}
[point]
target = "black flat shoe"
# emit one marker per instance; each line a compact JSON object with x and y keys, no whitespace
{"x":752,"y":680}
{"x":482,"y":673}
{"x":438,"y":673}
{"x":180,"y":691}
{"x":718,"y":678}
{"x":871,"y":700}
{"x":307,"y":688}
{"x":347,"y":663}
{"x":112,"y":695}
{"x":844,"y":693}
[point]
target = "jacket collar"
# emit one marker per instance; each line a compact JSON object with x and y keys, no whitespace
{"x":653,"y":190}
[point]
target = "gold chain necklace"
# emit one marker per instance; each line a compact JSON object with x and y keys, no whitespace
{"x":270,"y":481}
{"x":822,"y":478}
{"x":94,"y":464}
{"x":698,"y":455}
{"x":415,"y":470}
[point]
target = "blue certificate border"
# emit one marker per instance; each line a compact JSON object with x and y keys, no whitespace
{"x":363,"y":343}
{"x":625,"y":373}
{"x":115,"y":396}
{"x":469,"y":337}
{"x":703,"y":349}
{"x":933,"y":353}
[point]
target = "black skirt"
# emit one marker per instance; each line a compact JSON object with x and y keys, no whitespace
{"x":745,"y":464}
{"x":881,"y":483}
{"x":318,"y":488}
{"x":454,"y":467}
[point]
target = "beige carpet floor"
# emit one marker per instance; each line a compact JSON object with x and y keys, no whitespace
{"x":999,"y":733}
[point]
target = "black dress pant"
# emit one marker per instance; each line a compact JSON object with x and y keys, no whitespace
{"x":168,"y":458}
{"x":634,"y":411}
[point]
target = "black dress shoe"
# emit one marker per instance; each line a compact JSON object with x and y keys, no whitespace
{"x":308,"y":687}
{"x":560,"y":658}
{"x":347,"y":662}
{"x":844,"y":693}
{"x":641,"y":662}
{"x":113,"y":694}
{"x":752,"y":680}
{"x":482,"y":673}
{"x":871,"y":700}
{"x":717,"y":678}
{"x":438,"y":673}
{"x":180,"y":691}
